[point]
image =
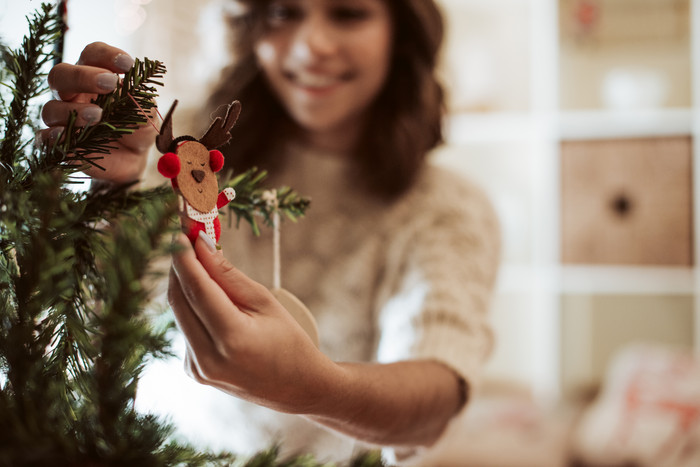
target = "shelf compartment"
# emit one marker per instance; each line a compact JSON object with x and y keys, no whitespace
{"x":624,"y":54}
{"x":595,"y":328}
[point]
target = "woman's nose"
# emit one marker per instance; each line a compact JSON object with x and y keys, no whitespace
{"x":315,"y":39}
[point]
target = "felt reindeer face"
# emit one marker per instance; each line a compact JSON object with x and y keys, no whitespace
{"x":191,"y":164}
{"x":197,"y":180}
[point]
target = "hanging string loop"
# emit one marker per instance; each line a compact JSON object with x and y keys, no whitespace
{"x":272,"y":201}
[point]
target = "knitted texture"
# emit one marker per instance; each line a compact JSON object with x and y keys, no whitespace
{"x":386,"y":281}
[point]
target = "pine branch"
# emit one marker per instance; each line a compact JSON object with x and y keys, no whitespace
{"x":250,"y":201}
{"x":124,"y":337}
{"x":5,"y":60}
{"x":121,"y":114}
{"x":271,"y":458}
{"x":25,"y":65}
{"x":78,"y":148}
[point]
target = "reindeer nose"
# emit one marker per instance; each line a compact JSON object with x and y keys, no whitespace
{"x":198,"y":175}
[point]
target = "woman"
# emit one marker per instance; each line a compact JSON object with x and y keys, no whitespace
{"x":396,"y":259}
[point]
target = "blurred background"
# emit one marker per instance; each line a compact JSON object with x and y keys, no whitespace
{"x":578,"y":117}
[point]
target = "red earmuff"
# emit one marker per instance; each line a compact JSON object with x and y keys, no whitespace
{"x":216,"y":160}
{"x":169,"y":165}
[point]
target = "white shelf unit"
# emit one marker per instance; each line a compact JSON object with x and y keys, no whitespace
{"x":695,"y":132}
{"x":514,"y":153}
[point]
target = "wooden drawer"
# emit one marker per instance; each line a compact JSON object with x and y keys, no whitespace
{"x":627,"y":201}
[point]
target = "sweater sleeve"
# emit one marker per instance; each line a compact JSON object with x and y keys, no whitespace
{"x":440,"y":273}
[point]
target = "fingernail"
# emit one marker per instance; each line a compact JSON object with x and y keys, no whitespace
{"x":55,"y":133}
{"x":123,"y":62}
{"x":208,"y":242}
{"x":107,"y":81}
{"x":91,"y":115}
{"x":51,"y":136}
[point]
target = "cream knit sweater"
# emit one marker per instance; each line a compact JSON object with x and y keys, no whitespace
{"x":385,"y":282}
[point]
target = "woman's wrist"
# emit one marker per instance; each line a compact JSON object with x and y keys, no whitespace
{"x":406,"y":403}
{"x":325,"y":392}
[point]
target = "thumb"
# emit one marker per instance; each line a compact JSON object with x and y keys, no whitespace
{"x":241,"y":289}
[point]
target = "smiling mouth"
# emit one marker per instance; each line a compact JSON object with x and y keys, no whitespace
{"x":200,"y":190}
{"x":309,"y":80}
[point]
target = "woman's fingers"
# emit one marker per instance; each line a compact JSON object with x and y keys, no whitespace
{"x":95,"y":73}
{"x":186,"y":318}
{"x":207,"y":299}
{"x":242,"y":290}
{"x":71,"y":80}
{"x":56,"y":113}
{"x":48,"y":135}
{"x":102,"y":55}
{"x":121,"y":167}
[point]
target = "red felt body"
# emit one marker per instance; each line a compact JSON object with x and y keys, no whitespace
{"x":192,"y":228}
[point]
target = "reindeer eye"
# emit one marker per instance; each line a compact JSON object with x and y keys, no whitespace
{"x":202,"y":164}
{"x":189,"y":162}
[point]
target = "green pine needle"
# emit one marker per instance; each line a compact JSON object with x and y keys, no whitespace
{"x":25,"y":69}
{"x":250,"y":203}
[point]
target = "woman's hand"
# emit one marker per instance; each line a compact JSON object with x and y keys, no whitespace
{"x":240,"y":339}
{"x":75,"y":86}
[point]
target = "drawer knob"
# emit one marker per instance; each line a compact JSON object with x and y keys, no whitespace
{"x":621,"y":205}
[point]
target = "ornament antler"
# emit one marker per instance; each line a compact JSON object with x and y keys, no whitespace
{"x":218,"y":133}
{"x":165,"y":139}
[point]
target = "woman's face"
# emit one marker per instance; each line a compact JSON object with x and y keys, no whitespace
{"x":326,"y":59}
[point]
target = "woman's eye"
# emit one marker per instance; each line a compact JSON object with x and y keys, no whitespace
{"x":281,"y":13}
{"x":349,"y":14}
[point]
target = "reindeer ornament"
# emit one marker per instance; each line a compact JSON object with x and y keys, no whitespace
{"x":191,"y":164}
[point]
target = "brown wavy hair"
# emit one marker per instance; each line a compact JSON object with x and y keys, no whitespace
{"x":404,"y":122}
